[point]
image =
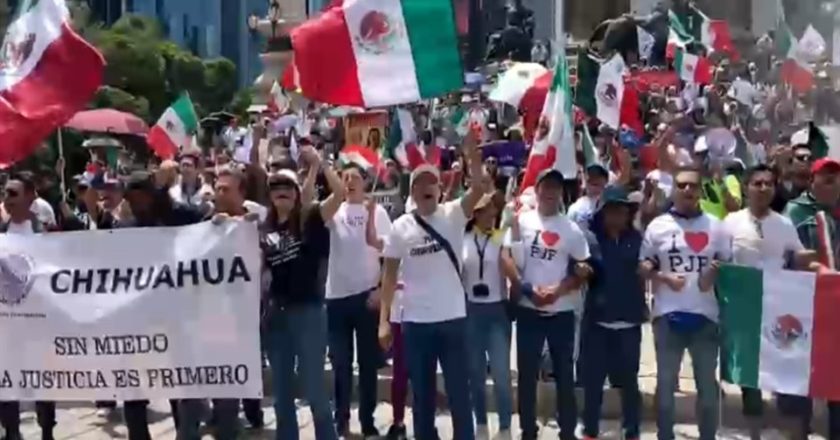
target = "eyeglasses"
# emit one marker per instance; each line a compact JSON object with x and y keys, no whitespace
{"x":687,"y":185}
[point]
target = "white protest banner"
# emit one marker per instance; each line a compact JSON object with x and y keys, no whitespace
{"x":128,"y":314}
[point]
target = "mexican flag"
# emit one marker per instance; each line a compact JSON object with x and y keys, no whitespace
{"x":795,"y":71}
{"x":378,"y":53}
{"x":554,"y":144}
{"x":696,"y":27}
{"x":780,"y":331}
{"x":590,"y":152}
{"x":404,"y":145}
{"x":521,"y":83}
{"x":693,"y":69}
{"x":601,"y":91}
{"x":360,"y":156}
{"x":47,"y":74}
{"x":174,"y":129}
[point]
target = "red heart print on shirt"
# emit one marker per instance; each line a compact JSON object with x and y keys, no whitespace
{"x":550,"y":238}
{"x":697,"y":241}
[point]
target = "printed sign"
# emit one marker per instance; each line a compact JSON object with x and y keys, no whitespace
{"x":141,"y":313}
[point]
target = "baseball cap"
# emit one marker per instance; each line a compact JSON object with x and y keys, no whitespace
{"x":284,"y":176}
{"x":550,"y":173}
{"x":599,"y":169}
{"x":825,"y":165}
{"x":614,"y":195}
{"x":424,"y":169}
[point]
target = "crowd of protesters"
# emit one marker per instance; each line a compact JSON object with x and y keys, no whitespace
{"x":445,"y":275}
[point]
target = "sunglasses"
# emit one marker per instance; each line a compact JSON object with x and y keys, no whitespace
{"x":10,"y":193}
{"x":803,"y":157}
{"x":281,"y":184}
{"x":687,"y":185}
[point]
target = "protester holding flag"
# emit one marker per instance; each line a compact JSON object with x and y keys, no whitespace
{"x":295,"y":243}
{"x":434,"y":308}
{"x":681,"y":248}
{"x":814,"y":216}
{"x":544,"y":244}
{"x":353,"y":298}
{"x":765,"y":240}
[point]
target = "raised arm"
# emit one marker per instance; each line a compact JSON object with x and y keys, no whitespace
{"x":478,"y":184}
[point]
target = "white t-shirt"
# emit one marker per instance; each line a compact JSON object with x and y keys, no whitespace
{"x":254,"y":207}
{"x":43,"y":212}
{"x":24,"y":228}
{"x":547,"y":244}
{"x":763,"y":243}
{"x":492,"y":273}
{"x":582,"y":211}
{"x":433,"y":290}
{"x":354,"y":266}
{"x":687,"y":247}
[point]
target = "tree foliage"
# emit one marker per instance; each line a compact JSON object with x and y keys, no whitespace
{"x":146,"y":72}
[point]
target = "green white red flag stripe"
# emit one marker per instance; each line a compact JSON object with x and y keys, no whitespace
{"x":554,"y":144}
{"x":47,"y":74}
{"x":795,"y":71}
{"x":379,"y":53}
{"x":175,"y":128}
{"x":693,"y":68}
{"x":360,"y":156}
{"x":519,"y":81}
{"x":780,"y":330}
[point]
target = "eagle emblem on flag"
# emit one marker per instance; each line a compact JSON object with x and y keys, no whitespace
{"x":377,"y":33}
{"x":785,"y":331}
{"x":15,"y":51}
{"x":170,"y":126}
{"x":608,"y":94}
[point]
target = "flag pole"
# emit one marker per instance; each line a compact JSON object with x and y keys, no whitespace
{"x":61,"y":158}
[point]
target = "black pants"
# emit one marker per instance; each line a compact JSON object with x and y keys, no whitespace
{"x":10,"y":418}
{"x":253,"y":412}
{"x":137,"y":418}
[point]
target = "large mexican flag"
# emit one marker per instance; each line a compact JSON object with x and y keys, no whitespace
{"x":780,"y":330}
{"x":47,"y":74}
{"x":374,"y":53}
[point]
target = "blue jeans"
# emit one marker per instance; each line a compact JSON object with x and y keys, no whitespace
{"x":346,"y":317}
{"x":425,"y":345}
{"x":191,"y":413}
{"x":532,"y":331}
{"x":298,"y":335}
{"x":702,"y":345}
{"x":488,"y":336}
{"x":616,"y":351}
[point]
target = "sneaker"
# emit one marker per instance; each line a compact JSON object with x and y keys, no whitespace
{"x":396,"y":432}
{"x":503,"y":434}
{"x":482,"y":433}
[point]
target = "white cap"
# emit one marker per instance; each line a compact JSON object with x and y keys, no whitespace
{"x":285,"y":174}
{"x":424,"y":169}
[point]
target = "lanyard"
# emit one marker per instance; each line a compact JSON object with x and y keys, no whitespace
{"x":481,"y":250}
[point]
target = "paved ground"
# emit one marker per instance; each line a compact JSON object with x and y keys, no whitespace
{"x":81,"y":422}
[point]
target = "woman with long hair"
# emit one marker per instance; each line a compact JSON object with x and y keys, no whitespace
{"x":488,"y":326}
{"x":295,"y":244}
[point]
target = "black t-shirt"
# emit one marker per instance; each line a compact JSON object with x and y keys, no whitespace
{"x":297,"y":261}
